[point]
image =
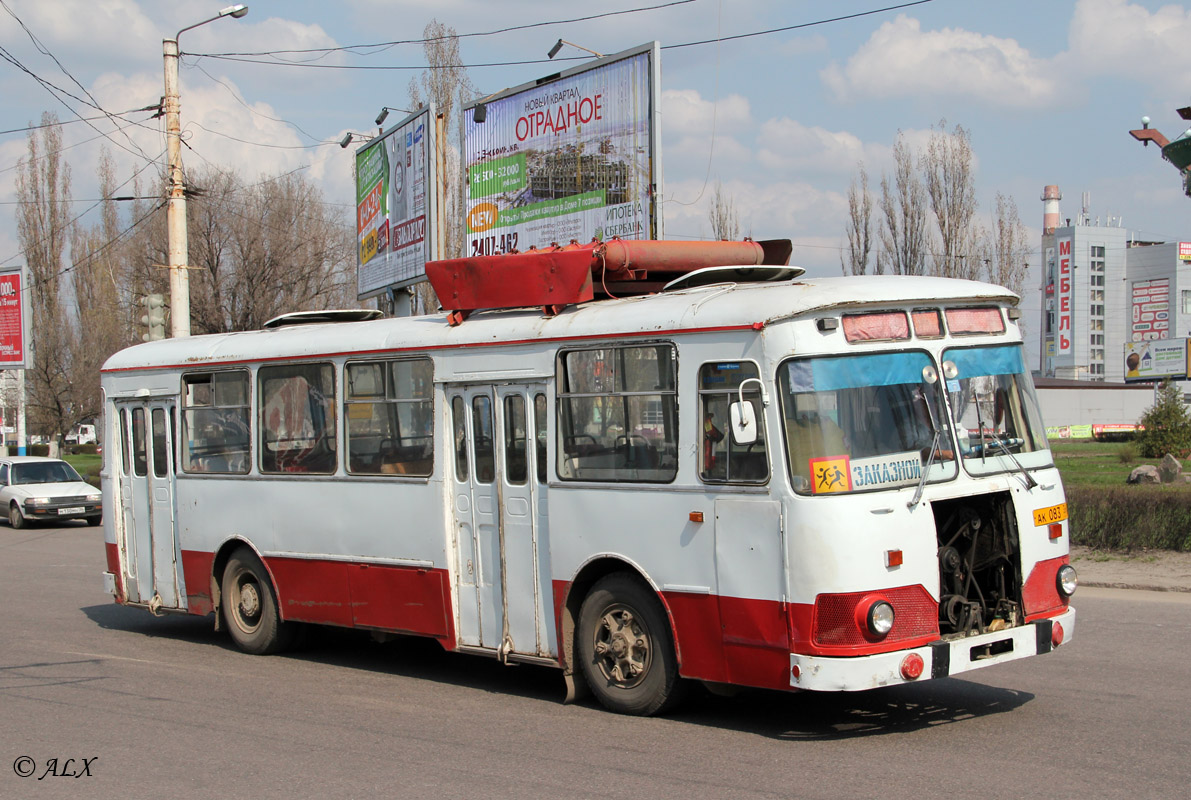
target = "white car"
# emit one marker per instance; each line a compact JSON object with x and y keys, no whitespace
{"x":46,"y":489}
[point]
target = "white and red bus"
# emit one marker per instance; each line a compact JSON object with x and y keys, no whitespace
{"x":827,"y":484}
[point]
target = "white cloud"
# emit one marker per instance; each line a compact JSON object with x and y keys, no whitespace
{"x":902,"y":60}
{"x":686,"y":110}
{"x":1115,"y":37}
{"x":786,"y":144}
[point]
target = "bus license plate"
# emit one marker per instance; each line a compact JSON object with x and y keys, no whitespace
{"x":72,"y":510}
{"x":1045,"y":516}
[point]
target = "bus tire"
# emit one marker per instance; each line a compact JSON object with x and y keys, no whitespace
{"x":249,"y":606}
{"x":625,"y":647}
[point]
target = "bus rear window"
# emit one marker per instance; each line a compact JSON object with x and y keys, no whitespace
{"x":961,"y":321}
{"x":883,"y":326}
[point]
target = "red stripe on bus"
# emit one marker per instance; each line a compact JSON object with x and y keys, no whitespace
{"x":1040,"y":595}
{"x":113,"y":557}
{"x":196,"y":572}
{"x":364,"y":595}
{"x":190,"y":365}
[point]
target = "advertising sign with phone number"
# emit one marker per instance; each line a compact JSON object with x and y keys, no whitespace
{"x":571,"y":158}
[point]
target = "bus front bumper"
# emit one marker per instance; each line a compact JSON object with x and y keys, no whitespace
{"x":938,"y":659}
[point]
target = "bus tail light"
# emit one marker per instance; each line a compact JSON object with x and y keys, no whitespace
{"x":912,"y":666}
{"x":1056,"y":634}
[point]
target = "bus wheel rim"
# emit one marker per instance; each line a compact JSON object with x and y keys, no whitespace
{"x":623,"y":649}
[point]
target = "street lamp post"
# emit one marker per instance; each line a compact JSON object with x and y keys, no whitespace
{"x":176,"y":209}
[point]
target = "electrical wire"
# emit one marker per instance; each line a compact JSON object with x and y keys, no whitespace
{"x":388,"y":45}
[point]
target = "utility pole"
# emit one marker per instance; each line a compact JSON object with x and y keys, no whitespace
{"x":175,"y":214}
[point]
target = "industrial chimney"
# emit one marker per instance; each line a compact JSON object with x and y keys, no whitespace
{"x":1050,"y":208}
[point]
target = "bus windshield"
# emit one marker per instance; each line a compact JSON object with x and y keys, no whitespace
{"x":864,"y":422}
{"x":994,"y":408}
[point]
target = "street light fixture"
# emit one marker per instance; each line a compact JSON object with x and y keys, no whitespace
{"x":352,"y":135}
{"x":384,"y":113}
{"x":558,"y":46}
{"x":176,"y":209}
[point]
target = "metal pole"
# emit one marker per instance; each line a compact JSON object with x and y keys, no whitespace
{"x":176,"y":209}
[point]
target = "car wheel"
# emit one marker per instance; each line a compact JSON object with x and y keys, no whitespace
{"x":15,"y":518}
{"x":93,"y":521}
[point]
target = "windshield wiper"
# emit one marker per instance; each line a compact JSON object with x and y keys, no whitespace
{"x":930,"y":459}
{"x":1030,"y":483}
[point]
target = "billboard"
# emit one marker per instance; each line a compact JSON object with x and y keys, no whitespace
{"x":1151,"y":310}
{"x":572,"y":156}
{"x":14,"y":323}
{"x":1152,"y":361}
{"x":1065,"y":316}
{"x":396,"y":218}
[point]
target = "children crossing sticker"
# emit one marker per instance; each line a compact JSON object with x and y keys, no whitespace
{"x":830,"y":474}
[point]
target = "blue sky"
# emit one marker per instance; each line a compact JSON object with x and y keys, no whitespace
{"x":1048,"y":90}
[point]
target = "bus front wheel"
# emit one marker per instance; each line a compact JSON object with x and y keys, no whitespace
{"x":625,"y":647}
{"x":250,"y":606}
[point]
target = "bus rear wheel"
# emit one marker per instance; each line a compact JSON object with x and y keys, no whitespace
{"x":625,"y":648}
{"x":249,"y":606}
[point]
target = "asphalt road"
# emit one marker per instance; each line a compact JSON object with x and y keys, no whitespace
{"x":165,"y":708}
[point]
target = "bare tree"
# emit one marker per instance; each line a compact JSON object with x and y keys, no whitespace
{"x":1009,"y":245}
{"x":725,"y":222}
{"x":103,"y":305}
{"x":859,"y":229}
{"x":43,"y":227}
{"x":265,"y":249}
{"x":904,"y":234}
{"x":445,"y":82}
{"x":947,"y":171}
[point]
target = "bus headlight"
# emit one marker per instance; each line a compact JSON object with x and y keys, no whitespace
{"x":880,"y":618}
{"x":1066,"y":580}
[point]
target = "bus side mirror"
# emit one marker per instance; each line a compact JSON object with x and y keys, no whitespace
{"x":744,"y":422}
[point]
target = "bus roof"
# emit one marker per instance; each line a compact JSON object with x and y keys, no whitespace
{"x":715,"y":307}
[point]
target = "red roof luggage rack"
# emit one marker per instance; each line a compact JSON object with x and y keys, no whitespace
{"x":560,"y":276}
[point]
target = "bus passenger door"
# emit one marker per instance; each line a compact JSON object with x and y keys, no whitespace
{"x":150,"y":547}
{"x":495,"y":503}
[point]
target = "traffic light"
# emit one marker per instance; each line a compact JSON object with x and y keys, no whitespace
{"x":154,"y":317}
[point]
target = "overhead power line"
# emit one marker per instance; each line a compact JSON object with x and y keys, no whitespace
{"x":397,"y":67}
{"x":387,"y":45}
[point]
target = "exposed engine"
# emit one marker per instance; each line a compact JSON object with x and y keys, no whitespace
{"x":979,"y":564}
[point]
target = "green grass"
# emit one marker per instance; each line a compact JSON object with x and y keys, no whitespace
{"x":1107,"y":513}
{"x":87,"y":466}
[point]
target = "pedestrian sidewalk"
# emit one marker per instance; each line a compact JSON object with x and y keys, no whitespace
{"x":1156,"y":570}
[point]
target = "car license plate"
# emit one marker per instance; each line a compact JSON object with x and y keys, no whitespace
{"x":1045,"y":516}
{"x":72,"y":510}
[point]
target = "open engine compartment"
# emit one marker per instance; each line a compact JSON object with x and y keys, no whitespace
{"x":980,"y":576}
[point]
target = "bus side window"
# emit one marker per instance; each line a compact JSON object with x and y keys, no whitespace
{"x":297,"y":408}
{"x":539,"y":426}
{"x":389,"y":410}
{"x":617,"y":414}
{"x":721,"y":459}
{"x":215,"y":422}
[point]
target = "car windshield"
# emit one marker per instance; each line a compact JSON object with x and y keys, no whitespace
{"x":864,"y":422}
{"x":994,"y":408}
{"x":44,"y":472}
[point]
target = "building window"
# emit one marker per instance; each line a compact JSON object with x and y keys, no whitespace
{"x":1097,"y":251}
{"x":1097,"y":280}
{"x":1186,"y":295}
{"x":1097,"y":355}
